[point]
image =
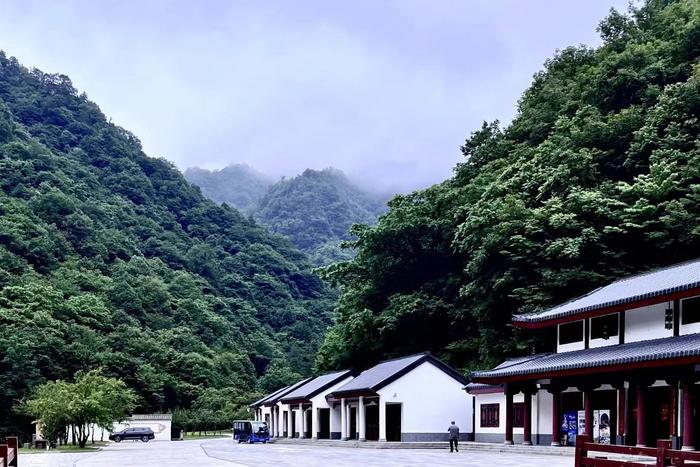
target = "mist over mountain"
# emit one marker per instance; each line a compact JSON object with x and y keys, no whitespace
{"x":237,"y":185}
{"x":315,"y":209}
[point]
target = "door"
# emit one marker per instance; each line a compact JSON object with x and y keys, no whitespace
{"x":294,"y":424}
{"x":393,"y":422}
{"x":372,"y":422}
{"x":324,"y":426}
{"x":353,"y":423}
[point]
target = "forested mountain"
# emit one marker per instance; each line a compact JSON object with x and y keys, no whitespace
{"x":238,"y":185}
{"x":598,"y":176}
{"x":110,"y":259}
{"x":315,"y":210}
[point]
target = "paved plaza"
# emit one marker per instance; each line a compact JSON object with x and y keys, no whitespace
{"x":225,"y":453}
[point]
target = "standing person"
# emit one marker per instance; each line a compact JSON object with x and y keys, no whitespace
{"x":453,"y":430}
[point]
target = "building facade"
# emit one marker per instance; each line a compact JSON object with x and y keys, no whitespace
{"x":624,"y":368}
{"x":407,"y":399}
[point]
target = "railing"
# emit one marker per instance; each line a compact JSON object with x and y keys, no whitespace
{"x":8,"y":452}
{"x":662,"y":454}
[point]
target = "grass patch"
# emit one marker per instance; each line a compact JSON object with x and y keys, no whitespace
{"x":66,"y":448}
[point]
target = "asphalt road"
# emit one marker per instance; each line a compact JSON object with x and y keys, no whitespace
{"x":225,"y":453}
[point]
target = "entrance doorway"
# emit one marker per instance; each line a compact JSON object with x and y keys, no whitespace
{"x":324,"y":426}
{"x":372,"y":422}
{"x":294,"y":423}
{"x":353,"y":423}
{"x":393,"y":422}
{"x":285,"y":424}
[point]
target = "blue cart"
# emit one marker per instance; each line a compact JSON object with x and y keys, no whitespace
{"x":248,"y":431}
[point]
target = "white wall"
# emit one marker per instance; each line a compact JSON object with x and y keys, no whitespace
{"x":646,"y":323}
{"x":431,"y":399}
{"x":161,"y":427}
{"x":540,"y":422}
{"x":497,"y":398}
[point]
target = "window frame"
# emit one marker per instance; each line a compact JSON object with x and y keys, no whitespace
{"x":696,"y":319}
{"x":518,"y":415}
{"x":599,"y":319}
{"x":490,"y":415}
{"x":571,"y":324}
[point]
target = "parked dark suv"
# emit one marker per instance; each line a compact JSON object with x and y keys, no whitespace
{"x":144,"y":434}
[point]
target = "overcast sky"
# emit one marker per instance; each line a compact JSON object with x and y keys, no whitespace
{"x":386,"y":90}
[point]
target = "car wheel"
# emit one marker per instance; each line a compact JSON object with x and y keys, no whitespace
{"x":117,"y":439}
{"x":144,"y":439}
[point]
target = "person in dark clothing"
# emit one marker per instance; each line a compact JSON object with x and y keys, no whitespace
{"x":453,"y":430}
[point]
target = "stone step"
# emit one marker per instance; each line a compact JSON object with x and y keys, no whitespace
{"x":546,"y":450}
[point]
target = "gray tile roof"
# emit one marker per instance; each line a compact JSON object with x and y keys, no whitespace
{"x":259,"y":402}
{"x":633,"y":352}
{"x":277,"y":395}
{"x":656,"y":283}
{"x":385,"y":372}
{"x":369,"y":379}
{"x":316,"y":385}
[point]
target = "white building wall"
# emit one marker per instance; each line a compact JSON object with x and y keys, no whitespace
{"x":646,"y":323}
{"x":540,"y":422}
{"x":430,"y":401}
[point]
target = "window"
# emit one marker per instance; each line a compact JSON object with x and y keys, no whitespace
{"x":489,"y":415}
{"x":691,"y":310}
{"x":570,"y":332}
{"x":604,"y":327}
{"x":518,"y":415}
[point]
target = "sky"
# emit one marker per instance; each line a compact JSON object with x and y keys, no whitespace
{"x":385,"y":90}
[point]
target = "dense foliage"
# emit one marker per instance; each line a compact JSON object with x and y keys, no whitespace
{"x":110,"y":259}
{"x":598,"y":176}
{"x":91,"y":401}
{"x":315,"y":209}
{"x":238,"y":185}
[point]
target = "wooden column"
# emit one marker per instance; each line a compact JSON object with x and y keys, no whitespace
{"x":673,"y":416}
{"x":556,"y":414}
{"x":641,"y":416}
{"x":621,"y":414}
{"x":509,"y":417}
{"x":688,"y":435}
{"x":588,"y":410}
{"x":527,"y":418}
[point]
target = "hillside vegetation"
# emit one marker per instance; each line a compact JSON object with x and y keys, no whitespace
{"x":315,"y":209}
{"x":598,"y":176}
{"x":109,"y":259}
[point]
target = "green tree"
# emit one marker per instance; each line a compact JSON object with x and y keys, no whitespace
{"x":93,"y":399}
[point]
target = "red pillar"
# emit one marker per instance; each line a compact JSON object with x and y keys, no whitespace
{"x":527,"y":422}
{"x":556,"y":417}
{"x":688,"y":435}
{"x":641,"y":416}
{"x":673,"y":416}
{"x":509,"y":417}
{"x":588,"y":410}
{"x":621,"y":411}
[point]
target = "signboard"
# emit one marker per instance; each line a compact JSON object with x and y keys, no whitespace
{"x":601,"y":425}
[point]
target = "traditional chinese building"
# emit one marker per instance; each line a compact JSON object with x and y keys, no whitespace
{"x":624,"y":368}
